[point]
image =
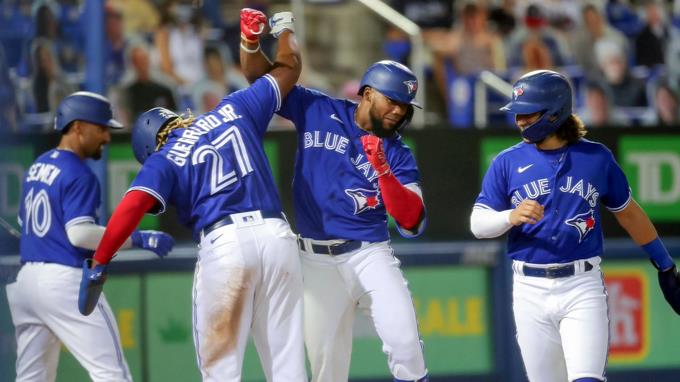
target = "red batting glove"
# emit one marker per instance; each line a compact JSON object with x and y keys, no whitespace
{"x":373,"y":146}
{"x":253,"y":23}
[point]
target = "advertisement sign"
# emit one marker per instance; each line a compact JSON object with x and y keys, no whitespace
{"x":643,"y":328}
{"x":652,"y":165}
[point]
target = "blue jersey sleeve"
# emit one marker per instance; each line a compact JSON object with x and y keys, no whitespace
{"x":403,"y":164}
{"x":157,"y":178}
{"x":295,"y":104}
{"x":618,"y":193}
{"x":493,"y":194}
{"x":80,"y":200}
{"x":262,"y":99}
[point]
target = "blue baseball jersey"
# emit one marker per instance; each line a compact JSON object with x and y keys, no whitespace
{"x":58,"y":191}
{"x":217,"y":166}
{"x":570,"y":183}
{"x":335,"y":188}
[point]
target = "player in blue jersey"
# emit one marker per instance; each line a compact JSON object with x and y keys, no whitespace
{"x":351,"y":170}
{"x":59,"y":230}
{"x":546,"y":192}
{"x":214,"y":170}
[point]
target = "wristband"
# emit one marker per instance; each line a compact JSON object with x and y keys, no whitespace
{"x":248,"y":50}
{"x":658,"y":254}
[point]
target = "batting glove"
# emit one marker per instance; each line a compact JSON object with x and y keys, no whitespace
{"x":253,"y":23}
{"x":91,"y":284}
{"x":280,"y":22}
{"x":156,"y":241}
{"x":669,"y":281}
{"x":375,"y":153}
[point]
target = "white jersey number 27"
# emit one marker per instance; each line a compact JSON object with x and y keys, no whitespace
{"x":38,"y":213}
{"x":219,"y":178}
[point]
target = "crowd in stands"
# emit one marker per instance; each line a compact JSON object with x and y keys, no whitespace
{"x":623,"y":56}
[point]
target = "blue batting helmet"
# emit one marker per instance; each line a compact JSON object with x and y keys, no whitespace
{"x":392,"y":79}
{"x":146,"y":128}
{"x":85,"y":106}
{"x":541,"y":91}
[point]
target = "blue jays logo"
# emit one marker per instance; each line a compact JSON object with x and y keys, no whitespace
{"x":584,"y":223}
{"x":412,"y":86}
{"x":517,"y":92}
{"x":363,"y":199}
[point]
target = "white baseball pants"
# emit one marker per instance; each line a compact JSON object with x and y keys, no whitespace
{"x":562,"y":324}
{"x":44,"y":306}
{"x":248,"y":279}
{"x":369,"y":279}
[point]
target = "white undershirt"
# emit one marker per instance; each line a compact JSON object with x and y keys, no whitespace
{"x":87,"y":235}
{"x":486,"y":223}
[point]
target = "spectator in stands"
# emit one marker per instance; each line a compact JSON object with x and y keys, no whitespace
{"x":180,"y":44}
{"x":8,"y":102}
{"x":596,"y":29}
{"x":535,"y":55}
{"x":45,"y":14}
{"x":48,"y":84}
{"x":220,"y":79}
{"x":145,"y":92}
{"x":141,"y":16}
{"x":651,"y":43}
{"x":598,"y":110}
{"x":114,"y":45}
{"x":536,"y":26}
{"x":502,"y":18}
{"x":434,"y":17}
{"x":626,"y":90}
{"x":471,"y":47}
{"x":667,"y":105}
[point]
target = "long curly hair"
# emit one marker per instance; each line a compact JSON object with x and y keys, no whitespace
{"x":572,"y":129}
{"x":178,"y":123}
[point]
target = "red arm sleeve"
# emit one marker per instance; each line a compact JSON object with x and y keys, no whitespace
{"x":124,"y":220}
{"x":404,"y":205}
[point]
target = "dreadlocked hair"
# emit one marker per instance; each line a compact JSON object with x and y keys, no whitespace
{"x":572,"y":129}
{"x":177,"y":123}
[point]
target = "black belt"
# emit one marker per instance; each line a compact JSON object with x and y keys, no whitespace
{"x":227,"y":220}
{"x":553,"y":272}
{"x":333,"y":249}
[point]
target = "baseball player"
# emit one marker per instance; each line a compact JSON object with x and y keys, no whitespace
{"x":546,"y":192}
{"x":58,"y":218}
{"x":351,"y":170}
{"x":213,"y":169}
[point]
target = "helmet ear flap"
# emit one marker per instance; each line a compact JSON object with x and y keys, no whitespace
{"x":407,"y":118}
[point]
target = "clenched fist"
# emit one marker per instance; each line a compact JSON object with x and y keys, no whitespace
{"x":375,"y":153}
{"x":253,"y":23}
{"x":528,"y":211}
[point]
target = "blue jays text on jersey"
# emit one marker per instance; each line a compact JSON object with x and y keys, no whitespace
{"x":335,"y":188}
{"x":217,"y":166}
{"x":570,"y":183}
{"x":58,"y":191}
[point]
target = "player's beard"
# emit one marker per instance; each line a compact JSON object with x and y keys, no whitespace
{"x":378,"y":129}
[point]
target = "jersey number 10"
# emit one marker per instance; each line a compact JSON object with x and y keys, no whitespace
{"x":37,"y":222}
{"x":219,"y":177}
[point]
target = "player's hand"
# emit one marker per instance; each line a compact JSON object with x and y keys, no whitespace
{"x":280,"y":22}
{"x":91,"y":284}
{"x":669,"y":281}
{"x":529,"y":211}
{"x":156,"y":241}
{"x":253,"y":23}
{"x":375,"y":153}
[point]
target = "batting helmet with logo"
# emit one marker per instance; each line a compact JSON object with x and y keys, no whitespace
{"x":146,"y":128}
{"x":392,"y":79}
{"x":541,"y":91}
{"x":85,"y":106}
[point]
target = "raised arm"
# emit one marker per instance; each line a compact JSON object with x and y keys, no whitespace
{"x":287,"y":64}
